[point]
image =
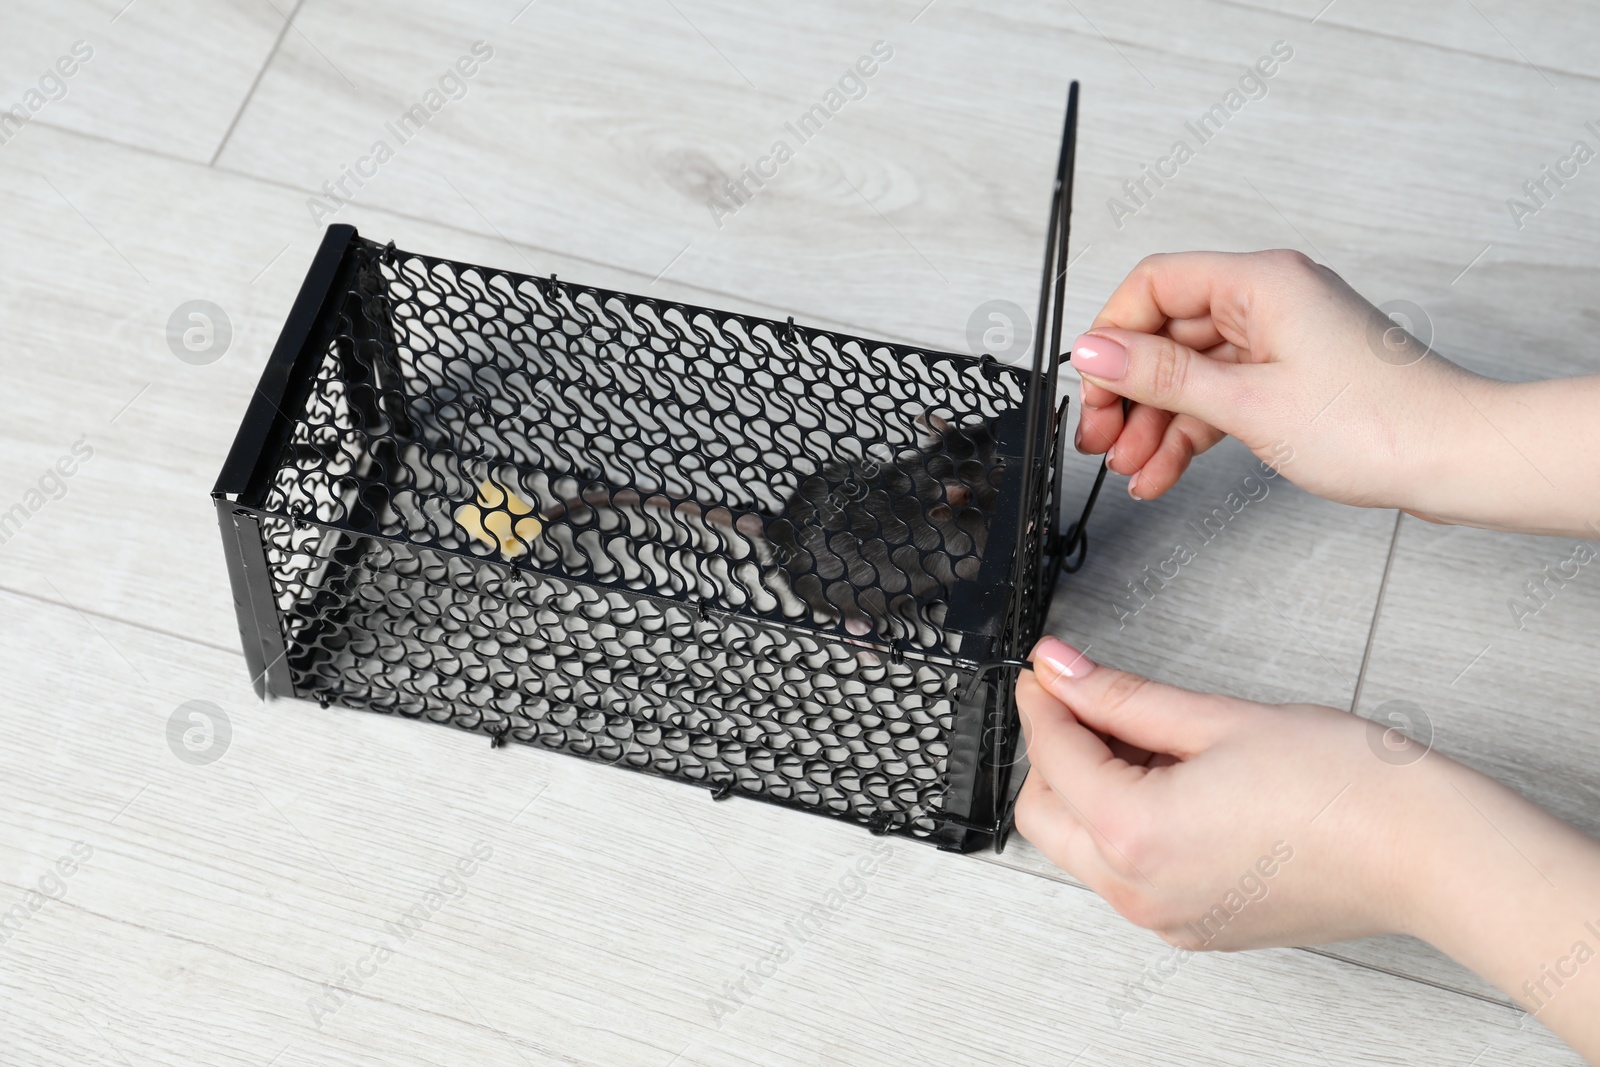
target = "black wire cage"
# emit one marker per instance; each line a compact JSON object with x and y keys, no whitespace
{"x":772,"y":561}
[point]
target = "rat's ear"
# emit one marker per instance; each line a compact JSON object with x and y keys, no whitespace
{"x":932,"y":427}
{"x":958,"y":494}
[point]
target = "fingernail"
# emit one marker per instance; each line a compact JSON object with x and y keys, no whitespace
{"x":1057,"y":659}
{"x":1133,"y":487}
{"x":1099,"y":357}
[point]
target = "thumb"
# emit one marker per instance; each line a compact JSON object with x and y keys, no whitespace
{"x":1158,"y":371}
{"x":1153,"y":716}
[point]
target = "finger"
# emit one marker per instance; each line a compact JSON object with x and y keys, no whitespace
{"x":1143,"y":429}
{"x":1156,"y":717}
{"x":1052,"y":827}
{"x":1227,"y":352}
{"x":1040,"y":815}
{"x":1098,"y":430}
{"x":1155,"y":370}
{"x":1034,"y":700}
{"x":1076,"y":763}
{"x":1091,"y":395}
{"x":1199,"y":334}
{"x":1183,"y":438}
{"x":1132,"y":755}
{"x":1099,"y":419}
{"x":1184,"y":285}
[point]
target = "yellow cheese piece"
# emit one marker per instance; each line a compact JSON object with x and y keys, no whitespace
{"x":496,"y":528}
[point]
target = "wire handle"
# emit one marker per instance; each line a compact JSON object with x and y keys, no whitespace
{"x":991,"y":665}
{"x":1074,"y":543}
{"x":1073,"y":546}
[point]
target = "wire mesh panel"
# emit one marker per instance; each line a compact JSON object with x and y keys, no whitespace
{"x":808,"y":478}
{"x":638,"y":682}
{"x":772,"y":561}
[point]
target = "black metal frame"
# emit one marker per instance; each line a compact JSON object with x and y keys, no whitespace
{"x":1044,"y":434}
{"x":978,"y":794}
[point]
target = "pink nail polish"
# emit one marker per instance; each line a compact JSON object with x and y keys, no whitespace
{"x":1099,"y":357}
{"x":1057,"y":660}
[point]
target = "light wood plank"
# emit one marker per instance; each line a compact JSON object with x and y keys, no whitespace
{"x":1275,"y":605}
{"x":569,"y":140}
{"x":168,"y":75}
{"x":1535,"y":39}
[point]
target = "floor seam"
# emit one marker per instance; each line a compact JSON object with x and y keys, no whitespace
{"x":1431,"y":46}
{"x":1484,"y":997}
{"x":1377,"y":612}
{"x":1308,"y":949}
{"x":256,"y":83}
{"x":119,"y":620}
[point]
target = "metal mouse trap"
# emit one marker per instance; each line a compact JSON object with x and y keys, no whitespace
{"x":776,"y":562}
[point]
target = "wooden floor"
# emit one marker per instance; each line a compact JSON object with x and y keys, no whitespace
{"x":611,"y":919}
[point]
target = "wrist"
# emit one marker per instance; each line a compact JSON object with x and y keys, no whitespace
{"x":1441,"y":866}
{"x":1504,"y":888}
{"x":1507,"y":455}
{"x":1456,"y":471}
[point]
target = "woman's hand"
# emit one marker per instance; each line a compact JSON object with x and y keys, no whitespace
{"x":1279,"y":352}
{"x":1225,"y":824}
{"x":1218,"y":823}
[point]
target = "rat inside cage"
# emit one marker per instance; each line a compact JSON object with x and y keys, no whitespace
{"x":777,"y":562}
